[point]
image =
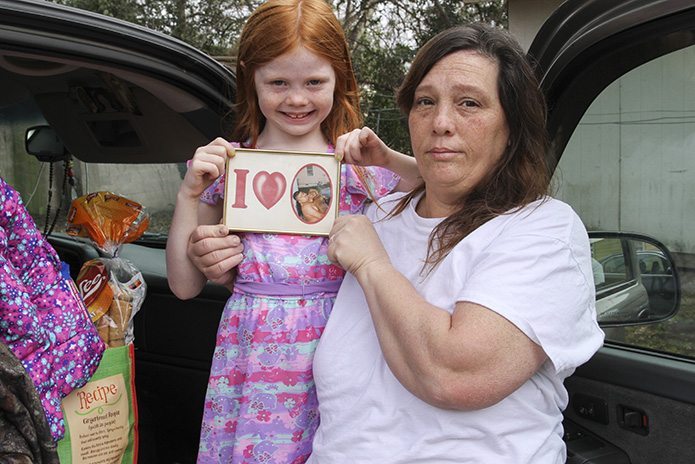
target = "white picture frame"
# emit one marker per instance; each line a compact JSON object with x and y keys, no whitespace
{"x":284,"y":192}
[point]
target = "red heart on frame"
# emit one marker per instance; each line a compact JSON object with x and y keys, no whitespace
{"x":269,"y":188}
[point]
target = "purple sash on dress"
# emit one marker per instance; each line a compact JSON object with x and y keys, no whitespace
{"x":287,"y":290}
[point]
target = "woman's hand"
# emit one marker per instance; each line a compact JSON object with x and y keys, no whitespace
{"x":207,"y":164}
{"x":354,"y":244}
{"x":215,"y":253}
{"x":363,"y":148}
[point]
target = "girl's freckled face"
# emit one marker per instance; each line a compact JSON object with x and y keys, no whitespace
{"x":295,"y":92}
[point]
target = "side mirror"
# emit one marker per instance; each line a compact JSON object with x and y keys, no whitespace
{"x":636,"y":279}
{"x":43,"y":143}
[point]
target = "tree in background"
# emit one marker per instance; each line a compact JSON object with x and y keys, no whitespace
{"x":384,"y":36}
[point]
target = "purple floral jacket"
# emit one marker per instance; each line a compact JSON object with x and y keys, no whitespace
{"x":42,"y":318}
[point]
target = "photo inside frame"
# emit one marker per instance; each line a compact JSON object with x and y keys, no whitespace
{"x":281,"y":192}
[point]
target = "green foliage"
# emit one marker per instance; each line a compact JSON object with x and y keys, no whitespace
{"x":379,"y":72}
{"x":383,"y":34}
{"x":128,"y":10}
{"x":387,"y":44}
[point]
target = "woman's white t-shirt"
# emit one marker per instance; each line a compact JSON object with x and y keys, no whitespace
{"x":533,"y":267}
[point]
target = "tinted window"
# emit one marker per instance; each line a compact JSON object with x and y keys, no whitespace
{"x":629,"y":166}
{"x":152,"y":185}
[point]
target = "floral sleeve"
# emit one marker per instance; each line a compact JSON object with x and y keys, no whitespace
{"x":214,"y":194}
{"x":359,"y":185}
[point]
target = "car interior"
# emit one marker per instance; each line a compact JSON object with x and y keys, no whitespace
{"x":118,"y":106}
{"x":128,"y":107}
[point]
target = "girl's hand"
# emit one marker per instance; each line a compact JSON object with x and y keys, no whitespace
{"x":215,"y":252}
{"x":363,"y":148}
{"x":354,"y":245}
{"x":207,"y":164}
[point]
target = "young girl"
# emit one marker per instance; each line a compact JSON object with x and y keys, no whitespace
{"x":295,"y":91}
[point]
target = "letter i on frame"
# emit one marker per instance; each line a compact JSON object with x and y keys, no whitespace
{"x":240,"y":191}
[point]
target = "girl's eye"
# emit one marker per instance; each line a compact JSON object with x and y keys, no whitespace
{"x":278,"y":82}
{"x":314,"y":82}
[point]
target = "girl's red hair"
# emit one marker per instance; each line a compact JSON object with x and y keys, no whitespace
{"x":277,"y":27}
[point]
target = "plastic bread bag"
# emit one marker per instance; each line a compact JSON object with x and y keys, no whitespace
{"x":112,"y":288}
{"x":109,"y":220}
{"x":113,"y":291}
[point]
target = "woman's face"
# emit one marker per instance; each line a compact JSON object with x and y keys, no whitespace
{"x":458,"y":129}
{"x":301,"y":197}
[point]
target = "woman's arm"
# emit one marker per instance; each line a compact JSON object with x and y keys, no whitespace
{"x":470,"y":359}
{"x":364,"y":148}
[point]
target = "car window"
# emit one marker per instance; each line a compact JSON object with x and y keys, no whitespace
{"x":56,"y":184}
{"x":629,"y":167}
{"x":609,"y":266}
{"x":154,"y":186}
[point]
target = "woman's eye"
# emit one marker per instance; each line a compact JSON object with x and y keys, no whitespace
{"x":469,"y":103}
{"x":423,"y":101}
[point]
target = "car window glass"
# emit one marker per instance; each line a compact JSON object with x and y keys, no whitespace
{"x":629,"y":167}
{"x":152,"y":185}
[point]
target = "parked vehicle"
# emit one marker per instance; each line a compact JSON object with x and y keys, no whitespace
{"x":618,"y":79}
{"x":121,"y":108}
{"x":638,"y":283}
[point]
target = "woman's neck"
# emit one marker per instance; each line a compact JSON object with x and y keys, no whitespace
{"x":429,"y":206}
{"x":276,"y":140}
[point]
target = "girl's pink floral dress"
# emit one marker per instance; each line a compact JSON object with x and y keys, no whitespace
{"x":261,"y":402}
{"x":42,"y":318}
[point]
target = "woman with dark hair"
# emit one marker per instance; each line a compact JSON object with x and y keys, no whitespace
{"x":468,"y":300}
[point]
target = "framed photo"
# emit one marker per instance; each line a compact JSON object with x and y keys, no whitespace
{"x":281,"y":192}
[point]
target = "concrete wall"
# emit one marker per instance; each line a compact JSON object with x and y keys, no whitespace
{"x":630,"y":165}
{"x":527,"y":16}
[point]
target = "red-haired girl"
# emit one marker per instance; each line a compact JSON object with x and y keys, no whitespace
{"x":296,"y":90}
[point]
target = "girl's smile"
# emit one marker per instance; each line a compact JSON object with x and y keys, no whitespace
{"x":295,"y":94}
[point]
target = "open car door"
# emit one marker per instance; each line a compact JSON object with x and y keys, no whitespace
{"x":129,"y":107}
{"x":619,"y":78}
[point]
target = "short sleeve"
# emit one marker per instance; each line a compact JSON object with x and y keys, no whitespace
{"x":361,"y":184}
{"x":539,"y":278}
{"x":214,"y":194}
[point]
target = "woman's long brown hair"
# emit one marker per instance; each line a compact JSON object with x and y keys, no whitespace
{"x":521,"y":176}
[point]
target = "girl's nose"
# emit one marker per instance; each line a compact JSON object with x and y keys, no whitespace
{"x":296,"y":97}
